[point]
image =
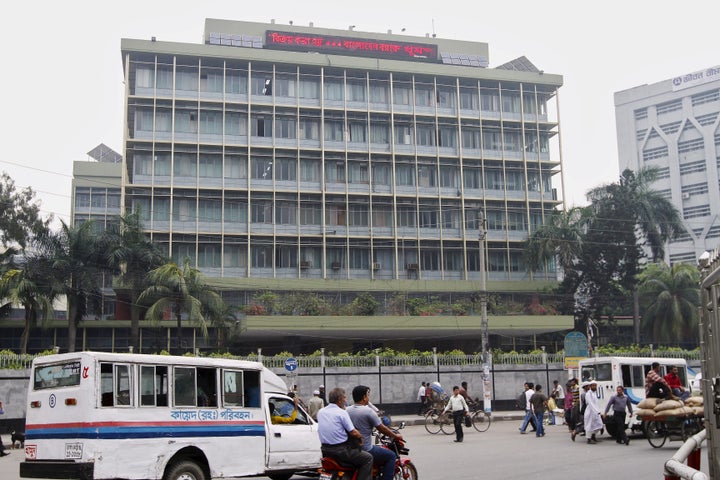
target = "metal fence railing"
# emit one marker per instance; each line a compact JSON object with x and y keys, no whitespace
{"x":8,"y":361}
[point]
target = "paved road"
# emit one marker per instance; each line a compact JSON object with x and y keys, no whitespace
{"x":502,"y":453}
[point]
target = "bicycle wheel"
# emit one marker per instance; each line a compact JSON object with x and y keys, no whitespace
{"x":656,"y":433}
{"x":481,"y":420}
{"x":406,"y":472}
{"x":432,"y":422}
{"x":446,"y":423}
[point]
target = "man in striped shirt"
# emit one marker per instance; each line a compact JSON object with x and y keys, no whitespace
{"x":655,"y":384}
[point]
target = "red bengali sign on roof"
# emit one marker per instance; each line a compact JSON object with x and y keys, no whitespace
{"x":350,"y":46}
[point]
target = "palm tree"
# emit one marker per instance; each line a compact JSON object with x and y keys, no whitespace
{"x":632,"y":201}
{"x":28,"y":287}
{"x":670,"y":297}
{"x":181,"y":291}
{"x":560,"y":237}
{"x":77,"y":262}
{"x":132,"y":255}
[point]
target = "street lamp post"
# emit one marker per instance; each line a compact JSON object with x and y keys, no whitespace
{"x":487,"y":385}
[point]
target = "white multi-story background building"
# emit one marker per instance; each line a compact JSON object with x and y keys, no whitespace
{"x":674,"y":125}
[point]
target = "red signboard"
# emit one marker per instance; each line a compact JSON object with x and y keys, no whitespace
{"x":350,"y":46}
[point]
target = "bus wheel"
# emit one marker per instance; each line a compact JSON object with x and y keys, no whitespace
{"x":185,"y":470}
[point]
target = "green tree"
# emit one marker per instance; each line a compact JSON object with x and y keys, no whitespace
{"x":181,"y":290}
{"x":670,"y":298}
{"x":20,"y":219}
{"x":633,"y":202}
{"x":561,"y":237}
{"x":77,"y":262}
{"x":28,"y":286}
{"x":132,"y":255}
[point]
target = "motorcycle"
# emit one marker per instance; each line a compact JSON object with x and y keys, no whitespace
{"x":404,"y":468}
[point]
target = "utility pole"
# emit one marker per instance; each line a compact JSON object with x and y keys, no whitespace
{"x":487,"y":385}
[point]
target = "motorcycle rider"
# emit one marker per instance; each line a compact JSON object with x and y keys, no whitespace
{"x":365,"y":420}
{"x":339,"y":438}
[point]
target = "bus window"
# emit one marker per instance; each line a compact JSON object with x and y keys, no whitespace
{"x":115,"y":385}
{"x":638,"y":376}
{"x":61,"y":375}
{"x":232,"y":389}
{"x":153,"y":386}
{"x":206,"y":387}
{"x":195,"y":387}
{"x":184,"y":387}
{"x":252,"y":389}
{"x":626,"y":371}
{"x":603,"y":372}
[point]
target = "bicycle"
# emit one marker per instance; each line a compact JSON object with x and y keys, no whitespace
{"x":479,"y":418}
{"x":437,"y":420}
{"x":672,"y":428}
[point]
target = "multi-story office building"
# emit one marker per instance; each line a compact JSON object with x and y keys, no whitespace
{"x":96,"y":194}
{"x":305,"y":159}
{"x":673,"y":125}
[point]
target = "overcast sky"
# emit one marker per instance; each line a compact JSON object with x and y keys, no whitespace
{"x":62,"y":91}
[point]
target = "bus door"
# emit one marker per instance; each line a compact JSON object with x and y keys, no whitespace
{"x":292,"y":436}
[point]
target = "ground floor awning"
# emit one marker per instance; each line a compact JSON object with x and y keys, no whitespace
{"x":398,"y":327}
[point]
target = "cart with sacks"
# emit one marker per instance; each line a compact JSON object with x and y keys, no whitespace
{"x":664,"y":420}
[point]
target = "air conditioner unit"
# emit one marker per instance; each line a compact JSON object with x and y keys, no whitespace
{"x":376,"y":266}
{"x":304,"y":264}
{"x":335,"y":265}
{"x":686,"y":195}
{"x":412,"y":266}
{"x":407,"y":139}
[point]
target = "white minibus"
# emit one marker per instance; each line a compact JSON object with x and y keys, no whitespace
{"x":93,"y":415}
{"x":628,"y":372}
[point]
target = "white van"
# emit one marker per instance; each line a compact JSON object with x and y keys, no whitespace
{"x":628,"y":372}
{"x":95,"y":415}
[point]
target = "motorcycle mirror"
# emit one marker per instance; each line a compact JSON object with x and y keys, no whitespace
{"x":401,"y":426}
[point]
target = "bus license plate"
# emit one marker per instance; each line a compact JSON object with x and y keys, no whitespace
{"x":73,"y":451}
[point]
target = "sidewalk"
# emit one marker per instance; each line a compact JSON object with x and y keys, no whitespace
{"x":516,"y":415}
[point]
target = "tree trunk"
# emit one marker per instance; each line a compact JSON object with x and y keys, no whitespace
{"x":134,"y":321}
{"x":178,"y":316}
{"x":72,"y":321}
{"x":26,"y":333}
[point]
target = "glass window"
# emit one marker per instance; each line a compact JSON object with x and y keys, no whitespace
{"x":153,"y":386}
{"x":235,"y":82}
{"x":309,"y":129}
{"x":285,"y":169}
{"x":65,"y":374}
{"x":233,"y":389}
{"x":209,"y":255}
{"x":334,"y":89}
{"x":261,"y":168}
{"x":261,"y":256}
{"x":115,"y":385}
{"x":356,"y":91}
{"x":309,"y":88}
{"x":309,"y":170}
{"x":405,"y":175}
{"x":261,"y":212}
{"x":285,"y":128}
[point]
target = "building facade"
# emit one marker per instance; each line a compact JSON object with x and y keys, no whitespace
{"x":674,"y":125}
{"x":291,"y":158}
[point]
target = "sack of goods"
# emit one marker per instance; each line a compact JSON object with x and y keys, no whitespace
{"x":649,"y":403}
{"x":674,"y":412}
{"x":668,"y":405}
{"x":645,"y":412}
{"x":696,"y":401}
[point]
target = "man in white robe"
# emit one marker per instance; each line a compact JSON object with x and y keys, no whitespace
{"x":593,"y":416}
